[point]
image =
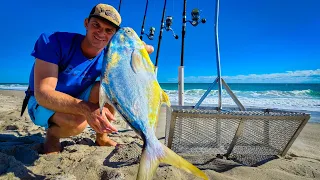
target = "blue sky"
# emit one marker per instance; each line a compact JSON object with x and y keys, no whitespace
{"x":260,"y":41}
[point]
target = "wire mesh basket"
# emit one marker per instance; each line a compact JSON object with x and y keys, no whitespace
{"x":249,"y":136}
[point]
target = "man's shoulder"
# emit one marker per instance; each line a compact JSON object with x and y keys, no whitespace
{"x":54,"y":46}
{"x":66,"y":36}
{"x":61,"y":37}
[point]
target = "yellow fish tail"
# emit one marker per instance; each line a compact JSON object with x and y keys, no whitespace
{"x":175,"y":160}
{"x":148,"y":164}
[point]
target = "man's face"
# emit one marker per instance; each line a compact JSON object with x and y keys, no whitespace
{"x":99,"y":32}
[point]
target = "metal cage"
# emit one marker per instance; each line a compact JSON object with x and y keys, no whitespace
{"x":248,"y":137}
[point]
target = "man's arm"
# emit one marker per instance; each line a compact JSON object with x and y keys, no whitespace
{"x":45,"y":82}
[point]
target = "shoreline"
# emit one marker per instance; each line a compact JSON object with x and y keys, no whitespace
{"x":315,"y":115}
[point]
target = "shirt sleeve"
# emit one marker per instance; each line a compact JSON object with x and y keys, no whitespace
{"x":47,"y":48}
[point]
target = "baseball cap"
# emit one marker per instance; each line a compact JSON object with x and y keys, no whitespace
{"x":108,"y":13}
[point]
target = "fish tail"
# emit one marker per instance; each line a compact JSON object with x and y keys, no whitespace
{"x":148,"y":164}
{"x":175,"y":160}
{"x":150,"y":161}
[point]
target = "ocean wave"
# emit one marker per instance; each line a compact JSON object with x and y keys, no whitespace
{"x":296,"y":100}
{"x":17,"y":87}
{"x":255,"y":94}
{"x":281,"y":103}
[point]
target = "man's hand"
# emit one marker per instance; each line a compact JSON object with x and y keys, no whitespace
{"x":149,"y":48}
{"x":100,"y":123}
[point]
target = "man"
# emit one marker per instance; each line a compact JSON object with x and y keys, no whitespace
{"x":64,"y":94}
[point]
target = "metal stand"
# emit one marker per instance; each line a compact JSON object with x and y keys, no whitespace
{"x":219,"y":79}
{"x":221,"y":83}
{"x":181,"y":86}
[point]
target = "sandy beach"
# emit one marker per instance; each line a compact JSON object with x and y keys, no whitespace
{"x":21,"y":157}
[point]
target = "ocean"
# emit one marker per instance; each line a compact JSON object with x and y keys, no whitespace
{"x":298,"y":97}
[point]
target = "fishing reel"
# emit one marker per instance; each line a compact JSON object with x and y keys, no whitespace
{"x":169,"y":20}
{"x":151,"y":33}
{"x":195,"y":13}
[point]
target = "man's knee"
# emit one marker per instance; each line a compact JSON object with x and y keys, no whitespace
{"x":72,"y":123}
{"x":78,"y":127}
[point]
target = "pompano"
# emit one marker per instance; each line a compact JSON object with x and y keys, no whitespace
{"x":129,"y":84}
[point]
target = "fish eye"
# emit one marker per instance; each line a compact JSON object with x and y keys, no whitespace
{"x":128,"y":31}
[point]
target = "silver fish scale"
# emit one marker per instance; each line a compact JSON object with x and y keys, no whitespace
{"x":127,"y":87}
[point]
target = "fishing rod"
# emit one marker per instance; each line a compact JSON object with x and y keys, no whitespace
{"x":151,"y":30}
{"x":168,"y":25}
{"x":195,"y":13}
{"x":119,"y":6}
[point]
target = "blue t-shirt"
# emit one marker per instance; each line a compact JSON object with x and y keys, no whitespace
{"x":76,"y":72}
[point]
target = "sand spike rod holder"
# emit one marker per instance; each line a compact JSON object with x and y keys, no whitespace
{"x":219,"y":79}
{"x":195,"y":13}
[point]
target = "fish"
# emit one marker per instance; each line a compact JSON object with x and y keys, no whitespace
{"x":128,"y":83}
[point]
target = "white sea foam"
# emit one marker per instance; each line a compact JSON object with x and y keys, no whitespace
{"x":17,"y":87}
{"x":294,"y":100}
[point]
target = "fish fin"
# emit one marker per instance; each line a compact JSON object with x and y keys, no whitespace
{"x":103,"y":99}
{"x":141,"y":60}
{"x":165,"y":98}
{"x":149,"y":162}
{"x":136,"y":62}
{"x":147,"y":61}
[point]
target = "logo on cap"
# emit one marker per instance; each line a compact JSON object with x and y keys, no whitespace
{"x":112,"y":15}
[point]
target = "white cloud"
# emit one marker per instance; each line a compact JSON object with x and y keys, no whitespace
{"x":299,"y":76}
